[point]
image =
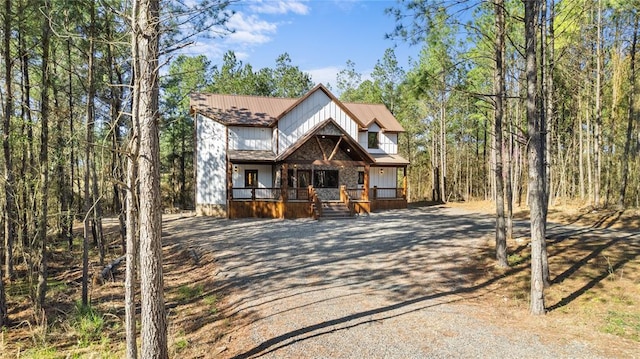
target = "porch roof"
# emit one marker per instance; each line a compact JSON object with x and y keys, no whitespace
{"x":240,"y":156}
{"x":385,"y":159}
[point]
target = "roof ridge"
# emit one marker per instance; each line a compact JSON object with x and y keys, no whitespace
{"x":241,"y":95}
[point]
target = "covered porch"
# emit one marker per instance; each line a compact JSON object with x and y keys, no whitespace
{"x":326,"y":165}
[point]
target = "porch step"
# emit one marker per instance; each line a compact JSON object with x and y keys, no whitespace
{"x":335,"y":210}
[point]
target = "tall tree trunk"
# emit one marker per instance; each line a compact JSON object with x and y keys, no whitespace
{"x":536,"y":174}
{"x":633,"y":91}
{"x":146,"y":34}
{"x":88,"y":163}
{"x":508,"y":181}
{"x":10,"y":214}
{"x":550,"y":107}
{"x":44,"y":156}
{"x":72,"y":158}
{"x":545,"y":120}
{"x":27,"y":157}
{"x":581,"y":153}
{"x":116,"y":161}
{"x":598,"y":124}
{"x":63,"y":191}
{"x":443,"y":146}
{"x":132,"y":239}
{"x":499,"y":90}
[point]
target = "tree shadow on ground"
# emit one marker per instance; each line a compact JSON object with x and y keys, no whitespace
{"x":416,"y":258}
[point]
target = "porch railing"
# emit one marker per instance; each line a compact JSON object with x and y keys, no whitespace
{"x":255,"y":193}
{"x":346,"y":198}
{"x":386,"y":193}
{"x":355,"y":193}
{"x":301,"y":193}
{"x":317,"y":203}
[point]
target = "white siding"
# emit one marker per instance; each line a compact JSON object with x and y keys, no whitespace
{"x":313,"y":110}
{"x":387,"y":179}
{"x":362,"y":139}
{"x":250,"y":138}
{"x":389,"y":142}
{"x":265,"y":175}
{"x":274,"y":140}
{"x":211,"y":162}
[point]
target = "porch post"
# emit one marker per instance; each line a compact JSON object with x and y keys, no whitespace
{"x":404,"y":182}
{"x":229,"y":187}
{"x":285,"y":182}
{"x":365,"y":193}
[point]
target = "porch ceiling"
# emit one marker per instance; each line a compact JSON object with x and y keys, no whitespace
{"x":385,"y":159}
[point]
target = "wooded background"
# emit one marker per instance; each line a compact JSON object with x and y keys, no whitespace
{"x":66,"y":97}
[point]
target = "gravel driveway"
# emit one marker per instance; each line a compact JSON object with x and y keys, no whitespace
{"x":389,"y":285}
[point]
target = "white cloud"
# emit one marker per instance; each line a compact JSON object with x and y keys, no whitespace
{"x":324,"y":75}
{"x":279,"y":7}
{"x":249,"y":29}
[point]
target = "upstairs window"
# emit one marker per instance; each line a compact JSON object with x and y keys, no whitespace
{"x":372,"y":140}
{"x":251,"y":178}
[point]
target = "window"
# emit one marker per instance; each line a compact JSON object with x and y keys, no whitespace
{"x":360,"y":177}
{"x":301,"y":181}
{"x":325,"y":179}
{"x":372,"y":139}
{"x":250,"y":178}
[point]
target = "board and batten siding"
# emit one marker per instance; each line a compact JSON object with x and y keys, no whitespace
{"x":387,"y":179}
{"x":387,"y":142}
{"x":265,"y":175}
{"x":316,"y":108}
{"x":211,"y":171}
{"x":250,"y":138}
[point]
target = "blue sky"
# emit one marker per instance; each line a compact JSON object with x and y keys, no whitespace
{"x":319,"y":35}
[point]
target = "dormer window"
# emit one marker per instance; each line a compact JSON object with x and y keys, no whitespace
{"x":372,"y":140}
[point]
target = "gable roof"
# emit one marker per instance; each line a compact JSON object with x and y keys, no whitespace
{"x":239,"y":109}
{"x":375,"y":113}
{"x":349,"y":141}
{"x":260,"y":111}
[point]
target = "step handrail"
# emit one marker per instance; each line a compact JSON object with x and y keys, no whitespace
{"x":316,"y":202}
{"x":346,"y":199}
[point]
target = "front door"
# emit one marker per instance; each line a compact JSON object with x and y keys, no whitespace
{"x":304,"y":178}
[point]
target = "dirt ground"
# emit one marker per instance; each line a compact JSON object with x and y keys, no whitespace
{"x":594,"y":296}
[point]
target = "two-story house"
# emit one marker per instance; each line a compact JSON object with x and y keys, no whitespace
{"x":290,"y":158}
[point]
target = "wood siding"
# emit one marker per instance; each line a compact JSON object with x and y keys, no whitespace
{"x":269,"y":209}
{"x":250,"y":138}
{"x":211,"y":160}
{"x":387,"y":179}
{"x":265,"y":175}
{"x":386,"y":204}
{"x":313,"y":110}
{"x":387,"y":142}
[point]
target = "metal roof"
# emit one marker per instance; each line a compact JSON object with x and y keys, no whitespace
{"x":239,"y":156}
{"x":375,"y":113}
{"x":241,"y":110}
